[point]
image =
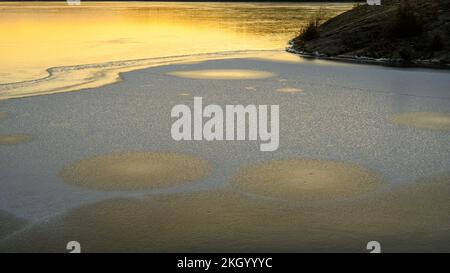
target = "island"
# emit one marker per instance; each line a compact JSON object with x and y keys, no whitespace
{"x":397,"y":32}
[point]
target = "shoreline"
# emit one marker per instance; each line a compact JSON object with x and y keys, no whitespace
{"x":84,"y":76}
{"x":399,"y":63}
{"x":72,"y":78}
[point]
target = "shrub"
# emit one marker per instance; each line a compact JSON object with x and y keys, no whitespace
{"x":311,"y":30}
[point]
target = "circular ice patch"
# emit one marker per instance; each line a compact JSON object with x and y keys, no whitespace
{"x":289,"y":90}
{"x":135,"y":171}
{"x":13,"y":139}
{"x":223,"y":74}
{"x":307,"y":180}
{"x":426,"y":120}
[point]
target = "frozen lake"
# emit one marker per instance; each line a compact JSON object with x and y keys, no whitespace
{"x":363,"y":153}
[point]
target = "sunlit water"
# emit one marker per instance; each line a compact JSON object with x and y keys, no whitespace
{"x":39,"y":36}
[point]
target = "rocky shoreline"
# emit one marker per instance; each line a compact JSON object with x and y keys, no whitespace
{"x":366,"y":34}
{"x":430,"y":63}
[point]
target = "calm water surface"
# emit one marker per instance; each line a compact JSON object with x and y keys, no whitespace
{"x":36,"y":36}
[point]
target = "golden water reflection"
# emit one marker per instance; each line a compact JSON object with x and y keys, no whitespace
{"x":37,"y":36}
